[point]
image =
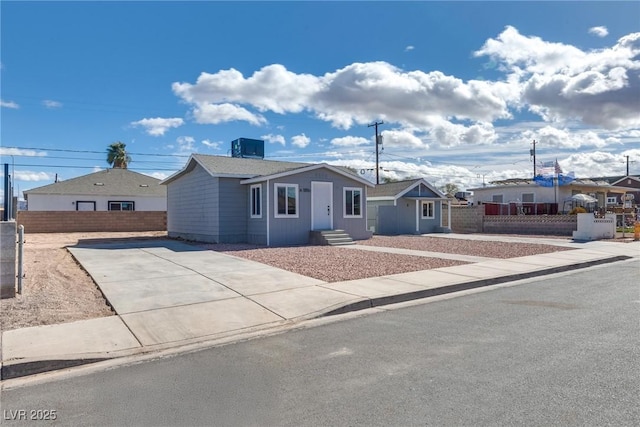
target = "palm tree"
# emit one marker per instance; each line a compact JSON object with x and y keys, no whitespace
{"x":117,"y":156}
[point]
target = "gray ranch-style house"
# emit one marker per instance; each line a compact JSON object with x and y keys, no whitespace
{"x":406,"y":207}
{"x":222,"y":199}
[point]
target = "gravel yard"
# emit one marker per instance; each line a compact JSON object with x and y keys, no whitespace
{"x":492,"y":249}
{"x":334,"y":264}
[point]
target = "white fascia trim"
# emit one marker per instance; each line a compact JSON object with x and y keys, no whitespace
{"x":180,"y":172}
{"x":426,"y":184}
{"x":306,"y":169}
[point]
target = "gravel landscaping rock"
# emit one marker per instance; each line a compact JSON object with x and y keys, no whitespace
{"x":332,"y":263}
{"x":493,"y":249}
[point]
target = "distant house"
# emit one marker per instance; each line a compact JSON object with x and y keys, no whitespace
{"x":234,"y":199}
{"x":406,"y":207}
{"x":107,"y":190}
{"x":535,"y":198}
{"x":632,"y":183}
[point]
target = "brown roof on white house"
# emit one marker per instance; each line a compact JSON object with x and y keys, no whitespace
{"x":108,"y":182}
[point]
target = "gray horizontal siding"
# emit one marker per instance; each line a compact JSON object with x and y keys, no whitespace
{"x":192,"y":206}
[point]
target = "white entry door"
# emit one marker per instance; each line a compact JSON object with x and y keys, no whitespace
{"x":321,"y":205}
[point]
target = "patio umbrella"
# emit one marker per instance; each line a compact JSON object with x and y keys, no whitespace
{"x":585,"y":198}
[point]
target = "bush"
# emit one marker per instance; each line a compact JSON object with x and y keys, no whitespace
{"x":577,"y":210}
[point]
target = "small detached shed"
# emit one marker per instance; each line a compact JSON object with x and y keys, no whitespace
{"x":406,"y":207}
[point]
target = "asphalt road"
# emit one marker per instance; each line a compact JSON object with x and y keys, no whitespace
{"x":559,"y":350}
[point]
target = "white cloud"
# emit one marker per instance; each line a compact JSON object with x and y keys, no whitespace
{"x":214,"y":114}
{"x":212,"y":144}
{"x":355,"y":94}
{"x":594,"y":164}
{"x":22,"y":175}
{"x":350,"y":141}
{"x":8,"y":151}
{"x":160,"y":175}
{"x":409,"y":48}
{"x":51,"y":104}
{"x":448,"y":134}
{"x":274,"y":139}
{"x":158,"y":126}
{"x":561,"y":82}
{"x":300,"y":141}
{"x":9,"y":104}
{"x":186,"y":143}
{"x":553,"y":137}
{"x":599,"y":31}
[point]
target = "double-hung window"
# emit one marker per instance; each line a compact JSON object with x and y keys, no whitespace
{"x":428,"y":210}
{"x":353,"y":202}
{"x":256,"y":201}
{"x":286,"y":200}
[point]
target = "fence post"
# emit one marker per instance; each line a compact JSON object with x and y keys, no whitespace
{"x":20,"y":257}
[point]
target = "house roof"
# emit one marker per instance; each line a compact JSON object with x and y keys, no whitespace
{"x":584,"y":184}
{"x":108,"y":182}
{"x":253,"y":170}
{"x":394,"y":190}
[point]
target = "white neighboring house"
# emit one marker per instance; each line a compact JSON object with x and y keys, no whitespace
{"x":528,"y":191}
{"x":107,"y":190}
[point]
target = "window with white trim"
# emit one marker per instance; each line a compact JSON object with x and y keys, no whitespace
{"x":612,"y":200}
{"x":353,"y":202}
{"x":496,"y":198}
{"x":286,"y":200}
{"x":256,"y":201}
{"x":428,"y":210}
{"x":121,"y":206}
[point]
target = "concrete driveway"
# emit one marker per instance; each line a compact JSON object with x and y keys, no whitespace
{"x":166,"y":291}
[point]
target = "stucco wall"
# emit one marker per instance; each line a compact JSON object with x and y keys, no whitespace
{"x":69,"y":222}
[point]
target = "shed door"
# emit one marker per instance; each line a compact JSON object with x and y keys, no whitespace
{"x":321,"y":205}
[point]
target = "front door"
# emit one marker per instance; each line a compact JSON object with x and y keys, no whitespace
{"x":321,"y":205}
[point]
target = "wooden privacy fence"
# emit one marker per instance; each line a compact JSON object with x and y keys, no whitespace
{"x":91,"y":221}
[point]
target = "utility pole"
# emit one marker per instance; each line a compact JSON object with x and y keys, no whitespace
{"x":627,"y":165}
{"x":532,"y":152}
{"x":377,"y":143}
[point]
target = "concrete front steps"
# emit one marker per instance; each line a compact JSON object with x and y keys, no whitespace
{"x":330,"y":237}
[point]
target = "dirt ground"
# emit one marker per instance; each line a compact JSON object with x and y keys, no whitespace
{"x":55,"y":288}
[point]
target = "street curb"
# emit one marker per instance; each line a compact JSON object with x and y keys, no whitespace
{"x":426,"y":293}
{"x":17,"y":370}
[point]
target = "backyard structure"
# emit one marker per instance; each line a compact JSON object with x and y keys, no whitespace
{"x":222,"y":199}
{"x":406,"y":207}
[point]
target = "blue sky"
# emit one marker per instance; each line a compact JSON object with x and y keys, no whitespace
{"x":462,"y":87}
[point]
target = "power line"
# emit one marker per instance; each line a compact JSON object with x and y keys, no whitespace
{"x":88,"y":167}
{"x":88,"y":151}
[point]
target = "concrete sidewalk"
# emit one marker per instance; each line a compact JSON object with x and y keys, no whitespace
{"x":168,"y":294}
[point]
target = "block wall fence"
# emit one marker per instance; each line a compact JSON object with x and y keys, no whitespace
{"x":471,"y":219}
{"x":91,"y":221}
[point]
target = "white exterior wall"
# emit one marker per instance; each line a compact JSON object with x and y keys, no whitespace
{"x":47,"y":202}
{"x":511,"y":194}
